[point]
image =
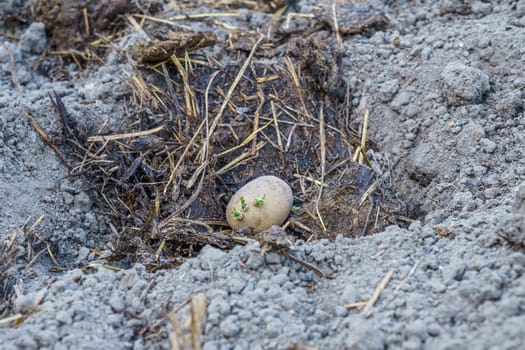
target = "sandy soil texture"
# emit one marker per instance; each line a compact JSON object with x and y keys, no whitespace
{"x":444,"y":84}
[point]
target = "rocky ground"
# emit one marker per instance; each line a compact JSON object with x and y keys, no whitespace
{"x":444,"y":85}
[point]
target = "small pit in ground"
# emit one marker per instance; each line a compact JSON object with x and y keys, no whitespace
{"x":201,"y":127}
{"x":202,"y":130}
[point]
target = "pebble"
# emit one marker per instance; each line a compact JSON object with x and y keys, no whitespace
{"x":33,"y":40}
{"x":461,"y":84}
{"x":388,"y":90}
{"x":230,"y":326}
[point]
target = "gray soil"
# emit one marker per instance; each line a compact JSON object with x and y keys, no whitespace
{"x":446,"y":98}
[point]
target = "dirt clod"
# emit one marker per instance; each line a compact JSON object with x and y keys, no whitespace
{"x":176,"y":44}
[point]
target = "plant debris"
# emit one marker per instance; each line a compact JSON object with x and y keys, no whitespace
{"x":176,"y":43}
{"x":24,"y":243}
{"x":201,"y":128}
{"x":75,"y":28}
{"x":276,"y":239}
{"x":352,"y":18}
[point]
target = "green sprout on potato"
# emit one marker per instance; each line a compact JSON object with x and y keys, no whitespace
{"x":244,"y":204}
{"x":259,"y":200}
{"x":237,"y":214}
{"x":295,"y":208}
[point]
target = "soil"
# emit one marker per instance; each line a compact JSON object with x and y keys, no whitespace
{"x":96,"y":253}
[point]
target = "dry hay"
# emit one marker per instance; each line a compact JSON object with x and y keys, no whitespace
{"x":81,"y":31}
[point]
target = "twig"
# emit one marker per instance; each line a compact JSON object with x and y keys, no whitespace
{"x":86,"y":21}
{"x":297,"y":84}
{"x":371,"y":199}
{"x":410,"y":273}
{"x":364,"y":134}
{"x":159,"y":249}
{"x":106,"y":266}
{"x":323,"y":166}
{"x":11,"y":319}
{"x":125,"y":135}
{"x":368,"y":192}
{"x":378,"y":254}
{"x":46,"y":138}
{"x":356,"y":304}
{"x":175,"y":336}
{"x":336,"y":28}
{"x":370,"y":303}
{"x":171,"y":91}
{"x":136,"y":26}
{"x":251,"y":137}
{"x":311,"y":267}
{"x":276,"y":125}
{"x":289,"y":140}
{"x":35,"y":224}
{"x":189,"y":94}
{"x":30,"y":263}
{"x":192,"y":199}
{"x":48,"y":246}
{"x":146,"y":290}
{"x":239,"y":159}
{"x":12,"y":68}
{"x":198,"y":308}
